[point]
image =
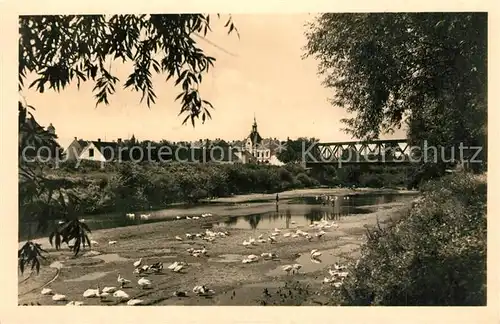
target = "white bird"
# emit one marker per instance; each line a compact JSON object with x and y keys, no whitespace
{"x":122,"y":281}
{"x":315,"y":255}
{"x":250,"y":258}
{"x":138,"y":263}
{"x":173,"y":265}
{"x":121,"y":294}
{"x":327,"y":280}
{"x":296,"y":267}
{"x":202,"y":290}
{"x":287,"y":268}
{"x":134,"y":302}
{"x":187,"y":217}
{"x":178,"y":238}
{"x":156,"y":267}
{"x":292,"y":222}
{"x":272,"y":239}
{"x":196,"y":217}
{"x":130,"y":215}
{"x":268,"y":255}
{"x":94,"y":242}
{"x":47,"y":291}
{"x":144,"y":283}
{"x":189,"y":236}
{"x":109,"y":290}
{"x":112,"y":242}
{"x":59,"y":297}
{"x":145,"y":216}
{"x":90,"y":293}
{"x":246,"y":243}
{"x":320,"y":234}
{"x":178,"y":217}
{"x":287,"y":234}
{"x":74,"y":303}
{"x":277,"y":230}
{"x":261,"y":236}
{"x":178,"y":268}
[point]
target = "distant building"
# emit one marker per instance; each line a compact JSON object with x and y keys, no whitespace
{"x":74,"y":149}
{"x":253,"y":149}
{"x":45,"y":152}
{"x":100,"y":151}
{"x":259,"y":149}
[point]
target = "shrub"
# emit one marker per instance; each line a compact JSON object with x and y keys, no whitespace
{"x":436,"y":255}
{"x":370,"y":180}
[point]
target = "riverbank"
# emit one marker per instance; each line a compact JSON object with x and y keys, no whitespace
{"x":252,"y":203}
{"x":311,"y":192}
{"x":130,"y":186}
{"x":222,"y":270}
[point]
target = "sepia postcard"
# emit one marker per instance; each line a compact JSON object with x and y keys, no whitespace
{"x":310,"y":157}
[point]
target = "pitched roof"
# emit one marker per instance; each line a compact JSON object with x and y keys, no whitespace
{"x":223,"y":155}
{"x":255,"y":137}
{"x":107,"y":149}
{"x":82,"y":143}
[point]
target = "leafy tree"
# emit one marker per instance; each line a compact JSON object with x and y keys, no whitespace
{"x":293,"y":149}
{"x":426,"y":69}
{"x":64,"y":49}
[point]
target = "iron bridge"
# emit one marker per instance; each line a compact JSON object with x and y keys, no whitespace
{"x":385,"y":152}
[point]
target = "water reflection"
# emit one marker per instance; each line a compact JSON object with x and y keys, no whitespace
{"x":289,"y":216}
{"x":293,"y":213}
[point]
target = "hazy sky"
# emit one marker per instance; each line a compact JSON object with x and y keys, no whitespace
{"x":265,"y":76}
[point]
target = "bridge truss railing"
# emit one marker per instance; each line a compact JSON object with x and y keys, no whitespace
{"x":396,"y":151}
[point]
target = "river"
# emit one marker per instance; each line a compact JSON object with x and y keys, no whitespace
{"x":262,"y":214}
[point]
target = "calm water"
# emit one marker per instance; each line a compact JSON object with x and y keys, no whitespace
{"x":304,"y":211}
{"x":290,"y":213}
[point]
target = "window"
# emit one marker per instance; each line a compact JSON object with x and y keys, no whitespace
{"x":91,"y":152}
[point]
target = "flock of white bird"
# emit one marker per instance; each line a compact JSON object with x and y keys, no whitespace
{"x":141,"y":269}
{"x":319,"y":226}
{"x":120,"y":294}
{"x":336,"y":275}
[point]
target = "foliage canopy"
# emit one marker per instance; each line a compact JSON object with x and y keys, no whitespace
{"x":426,"y":69}
{"x":62,"y":49}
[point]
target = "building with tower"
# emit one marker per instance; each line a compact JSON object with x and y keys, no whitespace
{"x":258,"y":147}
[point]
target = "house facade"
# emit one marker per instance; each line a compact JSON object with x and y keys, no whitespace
{"x":101,"y":151}
{"x":74,"y":149}
{"x":252,"y":149}
{"x":258,"y":149}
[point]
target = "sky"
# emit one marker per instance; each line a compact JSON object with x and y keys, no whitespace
{"x":261,"y":74}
